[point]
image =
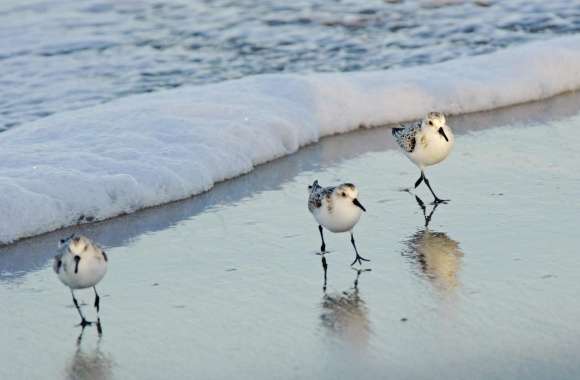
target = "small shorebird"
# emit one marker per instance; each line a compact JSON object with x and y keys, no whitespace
{"x":426,"y":143}
{"x":337,"y":209}
{"x":81,"y":264}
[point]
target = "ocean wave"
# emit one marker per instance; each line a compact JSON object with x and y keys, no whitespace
{"x":146,"y":150}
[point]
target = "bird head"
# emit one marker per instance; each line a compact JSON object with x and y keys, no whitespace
{"x":348,"y":192}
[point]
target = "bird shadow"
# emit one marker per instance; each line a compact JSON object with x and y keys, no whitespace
{"x":89,"y":364}
{"x":345,"y":314}
{"x":435,"y":256}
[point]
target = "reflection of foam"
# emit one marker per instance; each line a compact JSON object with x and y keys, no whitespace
{"x":438,"y":257}
{"x":345,"y":315}
{"x":92,"y":365}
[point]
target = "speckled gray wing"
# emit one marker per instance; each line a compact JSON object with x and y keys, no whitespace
{"x":317,"y":195}
{"x":57,"y":263}
{"x":406,"y":137}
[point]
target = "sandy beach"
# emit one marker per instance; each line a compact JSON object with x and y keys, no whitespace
{"x":228,"y":284}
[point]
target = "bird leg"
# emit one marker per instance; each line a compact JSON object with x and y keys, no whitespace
{"x":80,"y":337}
{"x":428,"y":217}
{"x":421,"y":204}
{"x":97,"y":299}
{"x":323,"y":246}
{"x":99,"y":327}
{"x":358,"y":257}
{"x":358,"y":273}
{"x":418,"y":182}
{"x":424,"y":209}
{"x":84,"y":322}
{"x":325,"y":268}
{"x":437,"y":199}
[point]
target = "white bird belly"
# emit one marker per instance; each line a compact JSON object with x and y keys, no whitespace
{"x":90,"y":272}
{"x":431,"y":152}
{"x":339,"y":219}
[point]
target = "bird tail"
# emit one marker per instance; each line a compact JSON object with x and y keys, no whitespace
{"x":314,"y":186}
{"x":397,"y":131}
{"x":63,"y":242}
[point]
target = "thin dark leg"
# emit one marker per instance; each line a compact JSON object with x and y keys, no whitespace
{"x":424,"y":209}
{"x":97,"y":299}
{"x":325,"y":268}
{"x":437,"y":199}
{"x":323,"y":246}
{"x":358,"y":272}
{"x":428,"y":217}
{"x":358,"y":257}
{"x":418,"y":182}
{"x":422,"y":205}
{"x":80,"y":337}
{"x":84,"y":322}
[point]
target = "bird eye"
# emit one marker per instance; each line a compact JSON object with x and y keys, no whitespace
{"x":430,"y":122}
{"x":344,"y":194}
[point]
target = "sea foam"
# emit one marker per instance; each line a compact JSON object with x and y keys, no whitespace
{"x":146,"y":150}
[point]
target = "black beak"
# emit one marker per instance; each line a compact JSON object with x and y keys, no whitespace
{"x":442,"y":133}
{"x":357,"y":204}
{"x":77,"y":259}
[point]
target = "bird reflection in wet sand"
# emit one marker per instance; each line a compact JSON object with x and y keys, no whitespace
{"x":93,"y":365}
{"x":437,"y":256}
{"x":345,"y":314}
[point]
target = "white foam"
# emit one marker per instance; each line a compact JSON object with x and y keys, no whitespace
{"x":150,"y":149}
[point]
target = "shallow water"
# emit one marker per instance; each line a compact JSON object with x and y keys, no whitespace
{"x":62,"y":54}
{"x":228,"y":284}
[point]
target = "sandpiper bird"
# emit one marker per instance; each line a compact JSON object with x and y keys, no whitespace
{"x":337,"y":209}
{"x":81,"y":264}
{"x":426,"y":143}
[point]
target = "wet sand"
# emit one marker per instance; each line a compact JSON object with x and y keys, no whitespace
{"x":228,"y":284}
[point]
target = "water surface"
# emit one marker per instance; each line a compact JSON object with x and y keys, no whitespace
{"x":60,"y":55}
{"x":228,"y":284}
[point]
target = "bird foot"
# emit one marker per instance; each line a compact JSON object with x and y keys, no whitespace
{"x":84,"y":323}
{"x":360,"y":259}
